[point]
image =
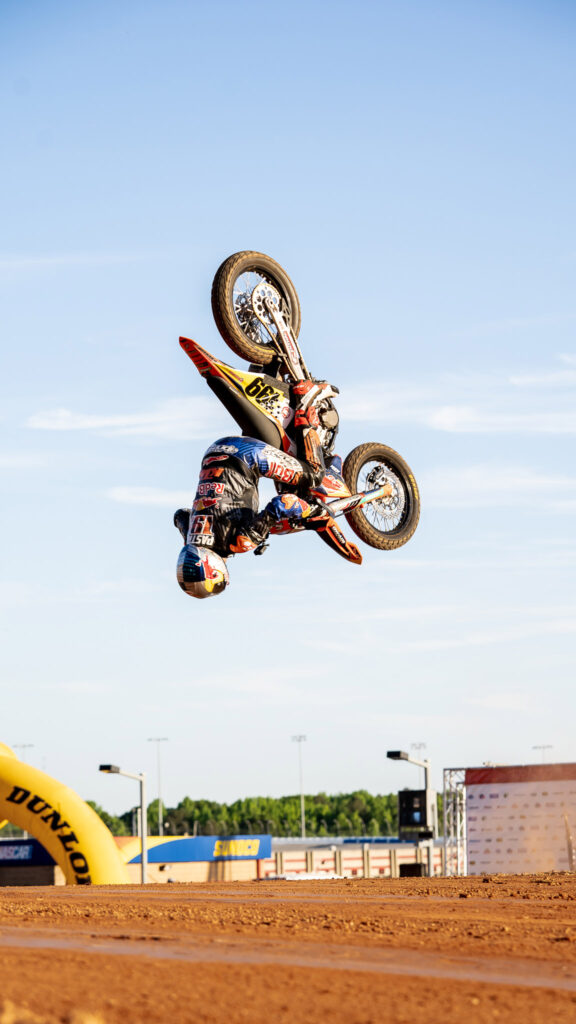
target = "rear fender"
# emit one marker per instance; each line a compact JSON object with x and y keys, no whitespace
{"x":332,"y":535}
{"x":251,"y":421}
{"x":206,"y":364}
{"x":260,"y":404}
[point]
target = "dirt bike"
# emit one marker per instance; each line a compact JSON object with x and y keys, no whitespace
{"x":257,"y":312}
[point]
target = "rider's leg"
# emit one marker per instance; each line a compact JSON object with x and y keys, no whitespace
{"x":287,"y":506}
{"x":307,"y":394}
{"x":182,"y":521}
{"x":252,"y":533}
{"x":248,"y":535}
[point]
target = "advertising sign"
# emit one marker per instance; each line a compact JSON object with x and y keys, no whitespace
{"x":23,"y":851}
{"x":182,"y":849}
{"x":518,"y":818}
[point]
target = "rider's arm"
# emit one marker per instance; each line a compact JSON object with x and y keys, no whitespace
{"x":308,"y":444}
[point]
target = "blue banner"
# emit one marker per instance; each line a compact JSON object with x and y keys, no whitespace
{"x":180,"y":849}
{"x":23,"y":851}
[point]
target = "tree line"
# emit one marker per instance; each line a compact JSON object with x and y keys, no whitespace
{"x":345,"y":814}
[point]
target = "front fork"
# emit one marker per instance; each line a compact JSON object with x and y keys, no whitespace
{"x":342,"y":505}
{"x":265,"y":299}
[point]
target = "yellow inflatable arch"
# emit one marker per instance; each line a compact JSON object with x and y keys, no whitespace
{"x":57,"y":817}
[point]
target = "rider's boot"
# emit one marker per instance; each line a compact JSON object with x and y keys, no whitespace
{"x":284,"y":510}
{"x":250,"y":534}
{"x":333,"y":484}
{"x":287,"y":506}
{"x":182,"y":522}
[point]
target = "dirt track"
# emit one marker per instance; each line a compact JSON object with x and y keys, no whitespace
{"x":498,"y":949}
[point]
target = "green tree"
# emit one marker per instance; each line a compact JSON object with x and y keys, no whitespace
{"x":117,"y":826}
{"x":359,"y":813}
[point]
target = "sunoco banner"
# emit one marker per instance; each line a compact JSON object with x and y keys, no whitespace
{"x":179,"y":849}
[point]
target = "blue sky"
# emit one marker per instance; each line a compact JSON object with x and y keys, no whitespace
{"x":412,"y":167}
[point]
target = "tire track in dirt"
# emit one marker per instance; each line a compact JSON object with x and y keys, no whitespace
{"x":492,"y":970}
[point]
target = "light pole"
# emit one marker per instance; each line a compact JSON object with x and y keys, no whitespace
{"x":158,"y":740}
{"x":22,"y":746}
{"x":543,"y":747}
{"x":113,"y":769}
{"x":401,"y":755}
{"x":300,"y":740}
{"x":419,"y":747}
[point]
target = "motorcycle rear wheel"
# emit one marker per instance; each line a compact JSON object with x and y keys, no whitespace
{"x":390,"y":523}
{"x":233,"y":284}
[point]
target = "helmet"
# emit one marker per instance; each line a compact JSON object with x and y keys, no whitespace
{"x":201,"y":572}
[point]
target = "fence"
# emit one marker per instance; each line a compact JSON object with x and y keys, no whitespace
{"x":364,"y":860}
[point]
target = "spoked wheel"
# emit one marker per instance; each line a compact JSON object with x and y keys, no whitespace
{"x":241,"y":284}
{"x":390,"y":522}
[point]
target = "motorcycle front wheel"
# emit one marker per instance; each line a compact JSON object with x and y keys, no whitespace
{"x":391,"y":522}
{"x":233,"y":310}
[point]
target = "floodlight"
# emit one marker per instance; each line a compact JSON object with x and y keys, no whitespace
{"x":114,"y":769}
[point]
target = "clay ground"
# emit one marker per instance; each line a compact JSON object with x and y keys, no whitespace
{"x":500,"y":949}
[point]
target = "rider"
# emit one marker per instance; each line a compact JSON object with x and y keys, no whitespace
{"x":224,"y":519}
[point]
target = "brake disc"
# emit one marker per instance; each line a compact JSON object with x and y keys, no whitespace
{"x":388,"y":508}
{"x":263,"y":294}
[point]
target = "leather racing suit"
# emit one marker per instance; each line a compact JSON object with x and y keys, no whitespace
{"x":225,"y":514}
{"x":225,"y":518}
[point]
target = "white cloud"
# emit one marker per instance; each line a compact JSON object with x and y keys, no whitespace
{"x":470,"y":420}
{"x":536,"y":403}
{"x":151,"y":496}
{"x":478,"y":486}
{"x":532,"y":403}
{"x":386,"y":403}
{"x":175,"y":419}
{"x":69,"y":259}
{"x":83,"y":688}
{"x":115,"y":588}
{"x":557,"y":378}
{"x":515,"y":323}
{"x":409,"y":613}
{"x":493,"y":486}
{"x":23,"y":460}
{"x":443,"y":627}
{"x":16,"y":594}
{"x":502,"y":701}
{"x":520,"y":633}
